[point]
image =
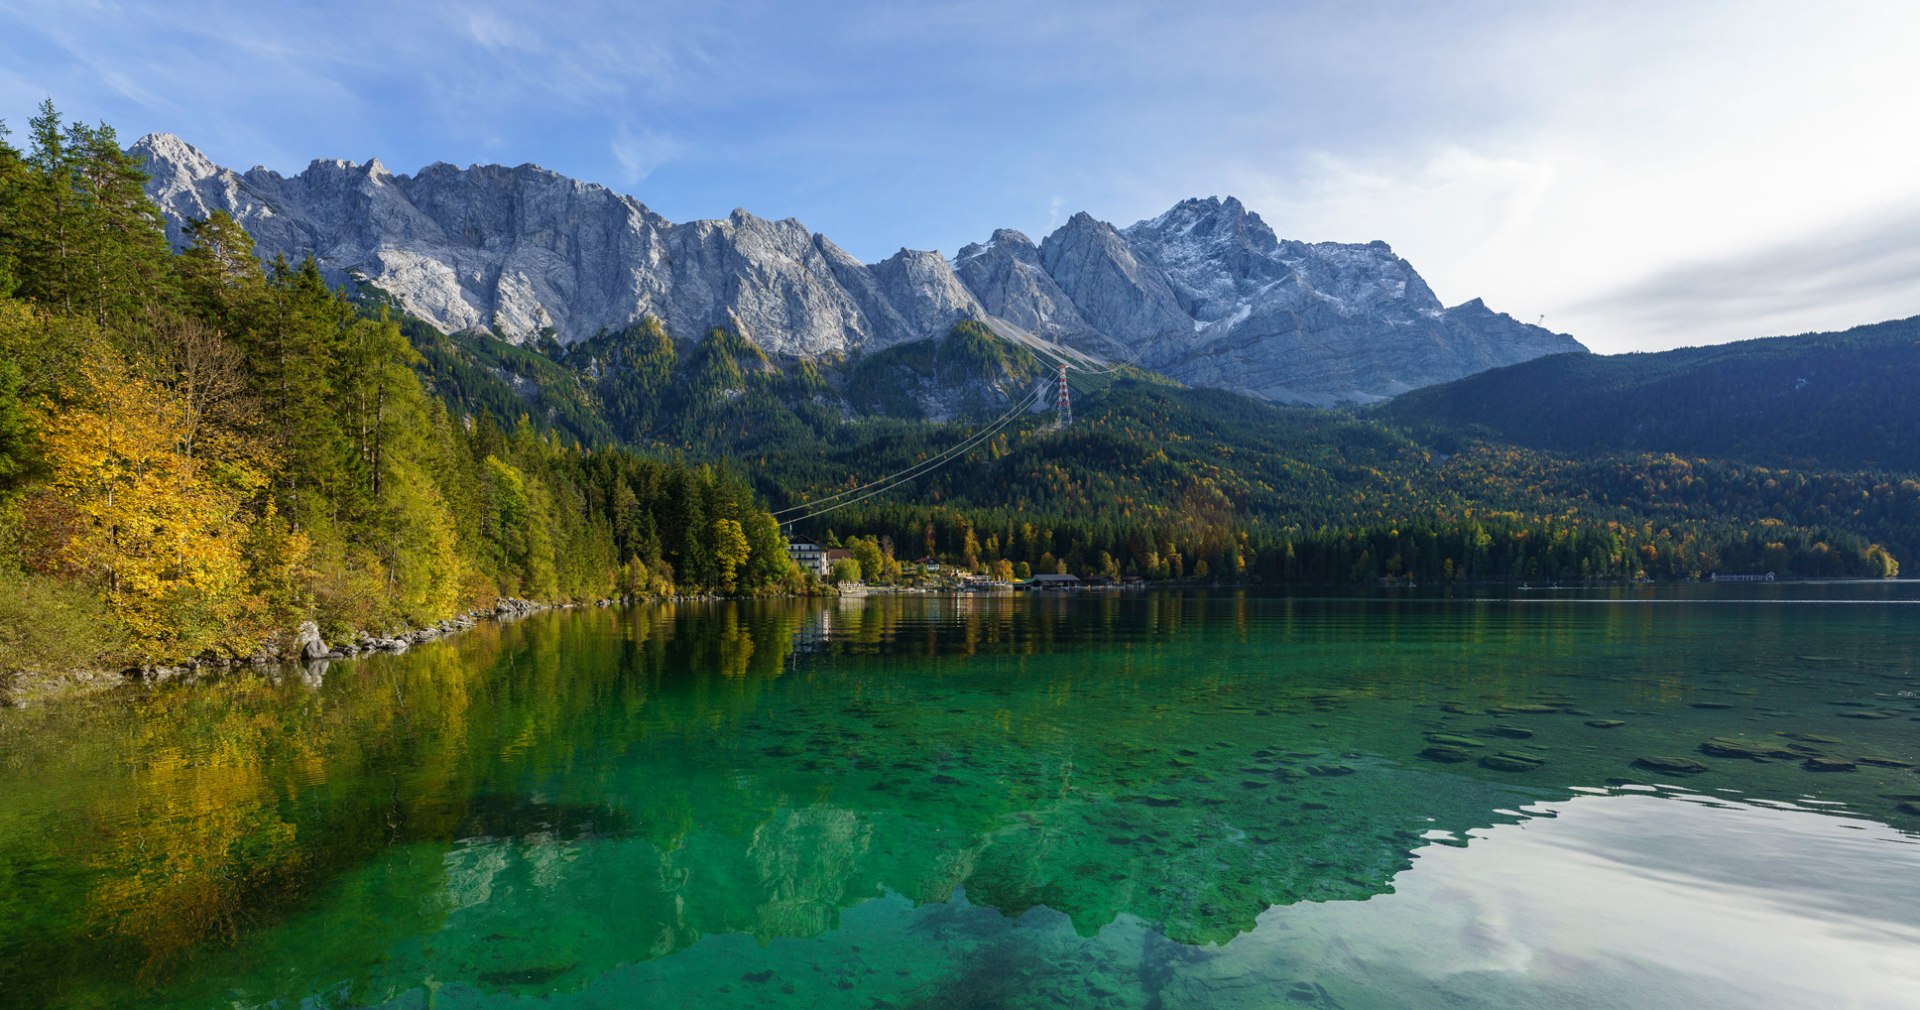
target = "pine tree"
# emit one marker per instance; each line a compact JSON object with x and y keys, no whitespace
{"x":294,"y":351}
{"x":122,"y":262}
{"x":220,"y":280}
{"x":46,"y":218}
{"x":14,"y":179}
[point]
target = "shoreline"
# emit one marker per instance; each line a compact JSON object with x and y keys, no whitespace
{"x":305,"y":649}
{"x":308,"y":650}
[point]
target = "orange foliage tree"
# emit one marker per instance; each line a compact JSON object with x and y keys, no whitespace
{"x":166,"y":533}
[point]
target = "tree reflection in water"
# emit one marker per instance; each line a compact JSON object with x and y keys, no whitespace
{"x":528,"y":807}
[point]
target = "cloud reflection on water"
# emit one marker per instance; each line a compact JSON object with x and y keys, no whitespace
{"x":1622,"y":900}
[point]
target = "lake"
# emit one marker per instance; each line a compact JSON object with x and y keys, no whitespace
{"x":1621,"y":798}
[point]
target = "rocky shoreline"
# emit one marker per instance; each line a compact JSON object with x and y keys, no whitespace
{"x":309,"y":647}
{"x":308,"y":654}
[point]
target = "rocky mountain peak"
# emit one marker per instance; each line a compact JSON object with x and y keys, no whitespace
{"x":1205,"y":292}
{"x":180,"y":157}
{"x":1003,"y":242}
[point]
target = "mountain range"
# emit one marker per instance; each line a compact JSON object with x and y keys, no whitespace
{"x":1205,"y":293}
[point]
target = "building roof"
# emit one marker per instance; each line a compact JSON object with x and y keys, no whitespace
{"x":1055,"y":578}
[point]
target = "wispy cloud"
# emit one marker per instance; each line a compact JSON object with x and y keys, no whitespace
{"x":1870,"y":268}
{"x":1566,"y":159}
{"x":640,"y":150}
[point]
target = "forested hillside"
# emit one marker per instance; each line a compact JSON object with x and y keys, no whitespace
{"x":1825,"y":399}
{"x":1160,"y":481}
{"x":197,"y":451}
{"x":1165,"y":482}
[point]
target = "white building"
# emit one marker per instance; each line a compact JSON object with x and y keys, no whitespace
{"x":811,"y":557}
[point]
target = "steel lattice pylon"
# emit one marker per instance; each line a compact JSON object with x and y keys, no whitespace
{"x":1064,"y":406}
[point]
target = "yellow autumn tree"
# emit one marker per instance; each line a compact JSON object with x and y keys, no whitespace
{"x":426,"y":568}
{"x":730,"y":550}
{"x":163,"y":532}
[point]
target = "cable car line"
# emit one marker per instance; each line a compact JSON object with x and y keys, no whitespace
{"x":918,"y":470}
{"x":1047,"y":351}
{"x":1011,"y":412}
{"x":892,"y":480}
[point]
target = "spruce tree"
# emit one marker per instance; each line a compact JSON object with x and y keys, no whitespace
{"x":122,"y":266}
{"x":13,"y":185}
{"x":45,"y":219}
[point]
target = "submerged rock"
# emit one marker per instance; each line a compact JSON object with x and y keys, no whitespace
{"x":1730,"y":747}
{"x":1606,"y":723}
{"x":1827,"y":764}
{"x":1672,"y":765}
{"x":1512,"y":761}
{"x":1446,"y":754}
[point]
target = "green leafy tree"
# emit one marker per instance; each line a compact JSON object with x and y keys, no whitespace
{"x":121,"y":261}
{"x":844,"y":570}
{"x":866,"y":551}
{"x":16,"y":432}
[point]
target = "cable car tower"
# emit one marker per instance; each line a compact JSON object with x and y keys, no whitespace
{"x":1063,"y":407}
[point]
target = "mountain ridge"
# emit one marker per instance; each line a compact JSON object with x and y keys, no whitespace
{"x":1205,"y":293}
{"x":1841,"y":398}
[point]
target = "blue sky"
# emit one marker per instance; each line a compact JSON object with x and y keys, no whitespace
{"x":1642,"y":176}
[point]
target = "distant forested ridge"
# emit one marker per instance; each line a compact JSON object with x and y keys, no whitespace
{"x":1820,"y":400}
{"x":199,"y":451}
{"x":1166,"y":483}
{"x":1163,"y":482}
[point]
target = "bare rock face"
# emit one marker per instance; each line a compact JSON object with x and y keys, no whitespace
{"x":1206,"y":292}
{"x":1117,"y":292}
{"x":1007,"y":277}
{"x":1221,"y":301}
{"x":519,"y":251}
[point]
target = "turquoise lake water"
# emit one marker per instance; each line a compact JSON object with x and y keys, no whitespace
{"x":1659,"y":797}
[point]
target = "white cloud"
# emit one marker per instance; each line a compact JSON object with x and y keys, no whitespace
{"x":640,"y":150}
{"x":490,"y":31}
{"x":1709,"y":143}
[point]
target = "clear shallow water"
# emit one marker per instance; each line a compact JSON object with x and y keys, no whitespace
{"x":1122,"y":801}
